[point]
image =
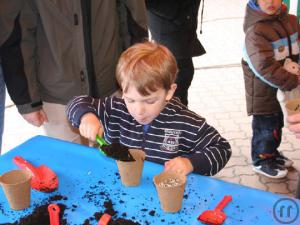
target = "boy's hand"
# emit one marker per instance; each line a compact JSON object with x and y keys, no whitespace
{"x":179,"y":165}
{"x":90,"y":126}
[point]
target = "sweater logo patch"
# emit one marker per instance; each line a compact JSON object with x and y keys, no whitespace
{"x":171,"y":140}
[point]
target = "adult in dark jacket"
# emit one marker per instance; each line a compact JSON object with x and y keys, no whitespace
{"x":71,"y":48}
{"x":12,"y":74}
{"x":173,"y":23}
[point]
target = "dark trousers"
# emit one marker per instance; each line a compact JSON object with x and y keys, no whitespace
{"x":267,"y":132}
{"x":184,"y":79}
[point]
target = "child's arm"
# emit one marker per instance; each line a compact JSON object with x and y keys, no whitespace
{"x":210,"y":153}
{"x":90,"y":126}
{"x":84,"y":112}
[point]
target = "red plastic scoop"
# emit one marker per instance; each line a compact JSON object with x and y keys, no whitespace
{"x":43,"y":178}
{"x":216,"y":216}
{"x":54,"y":210}
{"x":104,"y":220}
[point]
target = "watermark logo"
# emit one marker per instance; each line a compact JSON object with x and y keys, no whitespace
{"x":286,"y":211}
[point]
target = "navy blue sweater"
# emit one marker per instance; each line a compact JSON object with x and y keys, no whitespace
{"x":176,"y":131}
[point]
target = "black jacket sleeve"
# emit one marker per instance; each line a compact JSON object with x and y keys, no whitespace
{"x":167,"y":9}
{"x":13,"y":69}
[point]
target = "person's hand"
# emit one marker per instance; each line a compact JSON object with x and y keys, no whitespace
{"x":37,"y":118}
{"x":179,"y":165}
{"x":294,"y":124}
{"x":90,"y":126}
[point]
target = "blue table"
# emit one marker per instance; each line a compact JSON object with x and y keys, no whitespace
{"x":88,"y":179}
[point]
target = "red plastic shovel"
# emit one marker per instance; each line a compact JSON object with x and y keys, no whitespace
{"x":216,"y":216}
{"x":54,"y":210}
{"x":43,"y":178}
{"x":104,"y":220}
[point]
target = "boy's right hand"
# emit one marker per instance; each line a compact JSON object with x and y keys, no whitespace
{"x":90,"y":126}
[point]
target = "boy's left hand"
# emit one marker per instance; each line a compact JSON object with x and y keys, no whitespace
{"x":179,"y":165}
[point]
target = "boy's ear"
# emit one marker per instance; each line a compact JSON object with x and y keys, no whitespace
{"x":171,"y":92}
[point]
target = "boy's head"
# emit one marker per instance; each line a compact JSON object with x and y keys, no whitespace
{"x":147,"y":67}
{"x":146,"y":73}
{"x":269,"y":7}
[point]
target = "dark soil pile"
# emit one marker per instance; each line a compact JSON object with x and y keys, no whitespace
{"x":117,"y":152}
{"x":108,"y":205}
{"x":40,"y":215}
{"x":118,"y":221}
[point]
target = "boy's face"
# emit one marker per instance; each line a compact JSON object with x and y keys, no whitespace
{"x":144,"y":109}
{"x":269,"y":7}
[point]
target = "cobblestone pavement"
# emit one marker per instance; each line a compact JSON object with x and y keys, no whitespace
{"x":217,"y":93}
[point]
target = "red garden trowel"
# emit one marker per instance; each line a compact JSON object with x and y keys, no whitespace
{"x":54,"y":210}
{"x":216,"y":216}
{"x":104,"y":220}
{"x":43,"y":178}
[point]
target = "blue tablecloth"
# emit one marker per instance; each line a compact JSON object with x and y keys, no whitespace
{"x":88,"y":179}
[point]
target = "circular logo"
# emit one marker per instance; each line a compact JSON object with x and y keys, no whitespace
{"x":285,"y":211}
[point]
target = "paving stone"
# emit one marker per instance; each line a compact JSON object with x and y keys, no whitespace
{"x":236,"y":161}
{"x":229,"y":125}
{"x":286,"y":146}
{"x":293,"y":175}
{"x":226,"y":172}
{"x":292,"y":155}
{"x":267,"y":180}
{"x":280,"y":188}
{"x":296,"y":164}
{"x":243,"y":170}
{"x":243,"y":143}
{"x":233,"y":135}
{"x":292,"y":186}
{"x":221,"y":116}
{"x":235,"y":179}
{"x":252,"y":181}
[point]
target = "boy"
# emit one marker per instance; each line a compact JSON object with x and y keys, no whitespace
{"x":271,"y":37}
{"x":147,"y":117}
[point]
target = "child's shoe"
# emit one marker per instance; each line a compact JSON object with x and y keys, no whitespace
{"x":270,"y":168}
{"x":283,"y":161}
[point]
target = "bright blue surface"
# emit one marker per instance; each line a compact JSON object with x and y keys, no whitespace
{"x":82,"y":170}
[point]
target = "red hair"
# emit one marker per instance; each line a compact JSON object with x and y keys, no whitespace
{"x":146,"y":66}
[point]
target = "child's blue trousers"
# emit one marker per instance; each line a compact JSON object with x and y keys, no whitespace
{"x":267,"y":132}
